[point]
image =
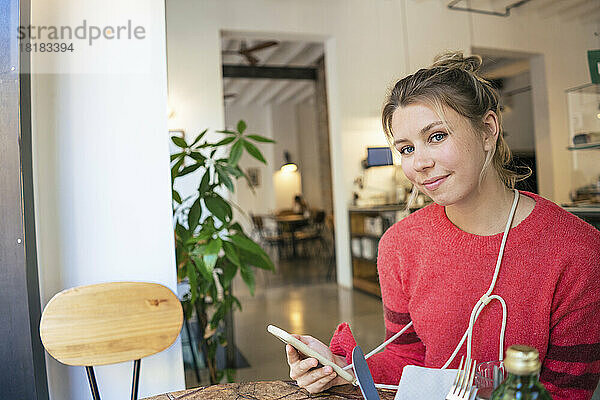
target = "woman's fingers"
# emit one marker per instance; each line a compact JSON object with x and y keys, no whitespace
{"x":302,"y":367}
{"x":311,"y":377}
{"x":292,"y":355}
{"x":322,"y":379}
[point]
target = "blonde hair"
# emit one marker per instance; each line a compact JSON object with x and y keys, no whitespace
{"x":452,"y":81}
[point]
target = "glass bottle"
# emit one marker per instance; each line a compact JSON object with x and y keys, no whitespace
{"x":523,"y":366}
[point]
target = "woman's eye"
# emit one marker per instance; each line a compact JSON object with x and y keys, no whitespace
{"x":406,"y":150}
{"x":438,"y":137}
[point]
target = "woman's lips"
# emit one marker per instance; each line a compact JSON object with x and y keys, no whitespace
{"x":435,"y":183}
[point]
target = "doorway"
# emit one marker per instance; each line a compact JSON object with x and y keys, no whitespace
{"x":278,"y":88}
{"x":511,"y":73}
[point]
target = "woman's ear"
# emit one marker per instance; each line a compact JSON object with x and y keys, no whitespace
{"x":491,"y":131}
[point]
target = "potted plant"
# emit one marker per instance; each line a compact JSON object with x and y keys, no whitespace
{"x":211,"y":248}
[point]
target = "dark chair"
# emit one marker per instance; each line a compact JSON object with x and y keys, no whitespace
{"x":312,"y":238}
{"x":268,"y":238}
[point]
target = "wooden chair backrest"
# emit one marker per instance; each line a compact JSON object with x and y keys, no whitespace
{"x":108,"y":323}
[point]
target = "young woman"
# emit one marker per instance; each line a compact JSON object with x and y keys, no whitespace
{"x":435,"y":264}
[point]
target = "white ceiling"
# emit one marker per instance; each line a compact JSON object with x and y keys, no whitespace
{"x":242,"y":91}
{"x":584,"y":11}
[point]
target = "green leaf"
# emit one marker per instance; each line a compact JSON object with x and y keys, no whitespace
{"x":189,"y":168}
{"x":174,"y":156}
{"x":224,"y":179}
{"x":260,"y":139}
{"x":262,"y":259}
{"x":241,"y":126}
{"x":229,"y":271}
{"x":228,"y":132}
{"x":218,"y":207}
{"x":235,"y":171}
{"x":225,"y":141}
{"x":218,"y":315}
{"x":237,"y":302}
{"x":194,"y":215}
{"x":179,"y":142}
{"x":248,"y":277}
{"x":238,"y":228}
{"x":254,"y":152}
{"x":200,"y":136}
{"x":231,"y":253}
{"x":176,"y":196}
{"x":243,"y":242}
{"x":175,"y":168}
{"x":197,"y":156}
{"x":204,"y":183}
{"x":182,"y":232}
{"x":203,"y":269}
{"x":256,"y":260}
{"x":212,"y":253}
{"x":236,"y":153}
{"x":230,"y":372}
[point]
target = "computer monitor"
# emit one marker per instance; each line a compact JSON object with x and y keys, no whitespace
{"x":379,"y":156}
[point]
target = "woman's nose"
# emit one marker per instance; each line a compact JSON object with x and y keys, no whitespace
{"x":422,"y":160}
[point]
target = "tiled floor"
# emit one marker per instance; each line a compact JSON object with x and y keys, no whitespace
{"x":299,"y":299}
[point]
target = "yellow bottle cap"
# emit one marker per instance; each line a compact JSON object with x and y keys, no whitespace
{"x":522,"y":360}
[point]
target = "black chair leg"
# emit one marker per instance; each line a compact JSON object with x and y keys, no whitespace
{"x":136,"y":379}
{"x":93,"y":385}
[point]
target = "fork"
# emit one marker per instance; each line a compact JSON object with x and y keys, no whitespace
{"x":463,"y":383}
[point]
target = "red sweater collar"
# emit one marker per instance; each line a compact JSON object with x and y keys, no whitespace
{"x":526,"y":230}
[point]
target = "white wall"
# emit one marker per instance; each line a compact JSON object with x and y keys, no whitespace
{"x":262,"y":200}
{"x":294,"y":128}
{"x":517,"y":118}
{"x":308,"y":150}
{"x":101,"y":176}
{"x":561,"y":47}
{"x":369,"y":44}
{"x":285,"y":131}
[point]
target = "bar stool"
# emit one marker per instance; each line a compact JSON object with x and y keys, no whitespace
{"x":109,"y":323}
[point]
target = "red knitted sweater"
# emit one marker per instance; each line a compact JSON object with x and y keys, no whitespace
{"x":433,"y":273}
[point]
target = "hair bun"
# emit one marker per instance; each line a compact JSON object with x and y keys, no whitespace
{"x":456,"y":60}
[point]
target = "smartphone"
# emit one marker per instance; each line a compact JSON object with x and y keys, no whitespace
{"x":307,"y":351}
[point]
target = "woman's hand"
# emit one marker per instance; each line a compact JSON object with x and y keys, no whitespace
{"x":303,"y":369}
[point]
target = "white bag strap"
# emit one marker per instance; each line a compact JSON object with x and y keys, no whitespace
{"x":479,"y":306}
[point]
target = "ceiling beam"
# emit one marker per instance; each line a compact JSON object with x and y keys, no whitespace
{"x":285,"y":54}
{"x":263,"y":72}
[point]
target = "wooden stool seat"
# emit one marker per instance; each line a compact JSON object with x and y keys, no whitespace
{"x":109,"y":323}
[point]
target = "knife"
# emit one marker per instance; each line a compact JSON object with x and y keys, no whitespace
{"x":363,"y":375}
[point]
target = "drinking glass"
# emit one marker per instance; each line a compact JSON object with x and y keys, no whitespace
{"x":484,"y":378}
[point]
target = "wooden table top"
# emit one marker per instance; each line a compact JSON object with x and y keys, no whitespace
{"x":291,"y":218}
{"x":271,"y":390}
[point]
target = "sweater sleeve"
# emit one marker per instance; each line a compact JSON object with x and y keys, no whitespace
{"x":386,"y":366}
{"x":571,"y":368}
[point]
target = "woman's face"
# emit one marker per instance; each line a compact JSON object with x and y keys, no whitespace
{"x":443,"y":163}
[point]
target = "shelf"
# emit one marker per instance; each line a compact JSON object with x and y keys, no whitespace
{"x":366,"y":235}
{"x":584,"y":146}
{"x":367,"y":286}
{"x":369,"y":260}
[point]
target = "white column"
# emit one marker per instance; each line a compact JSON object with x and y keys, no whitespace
{"x":101,"y":173}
